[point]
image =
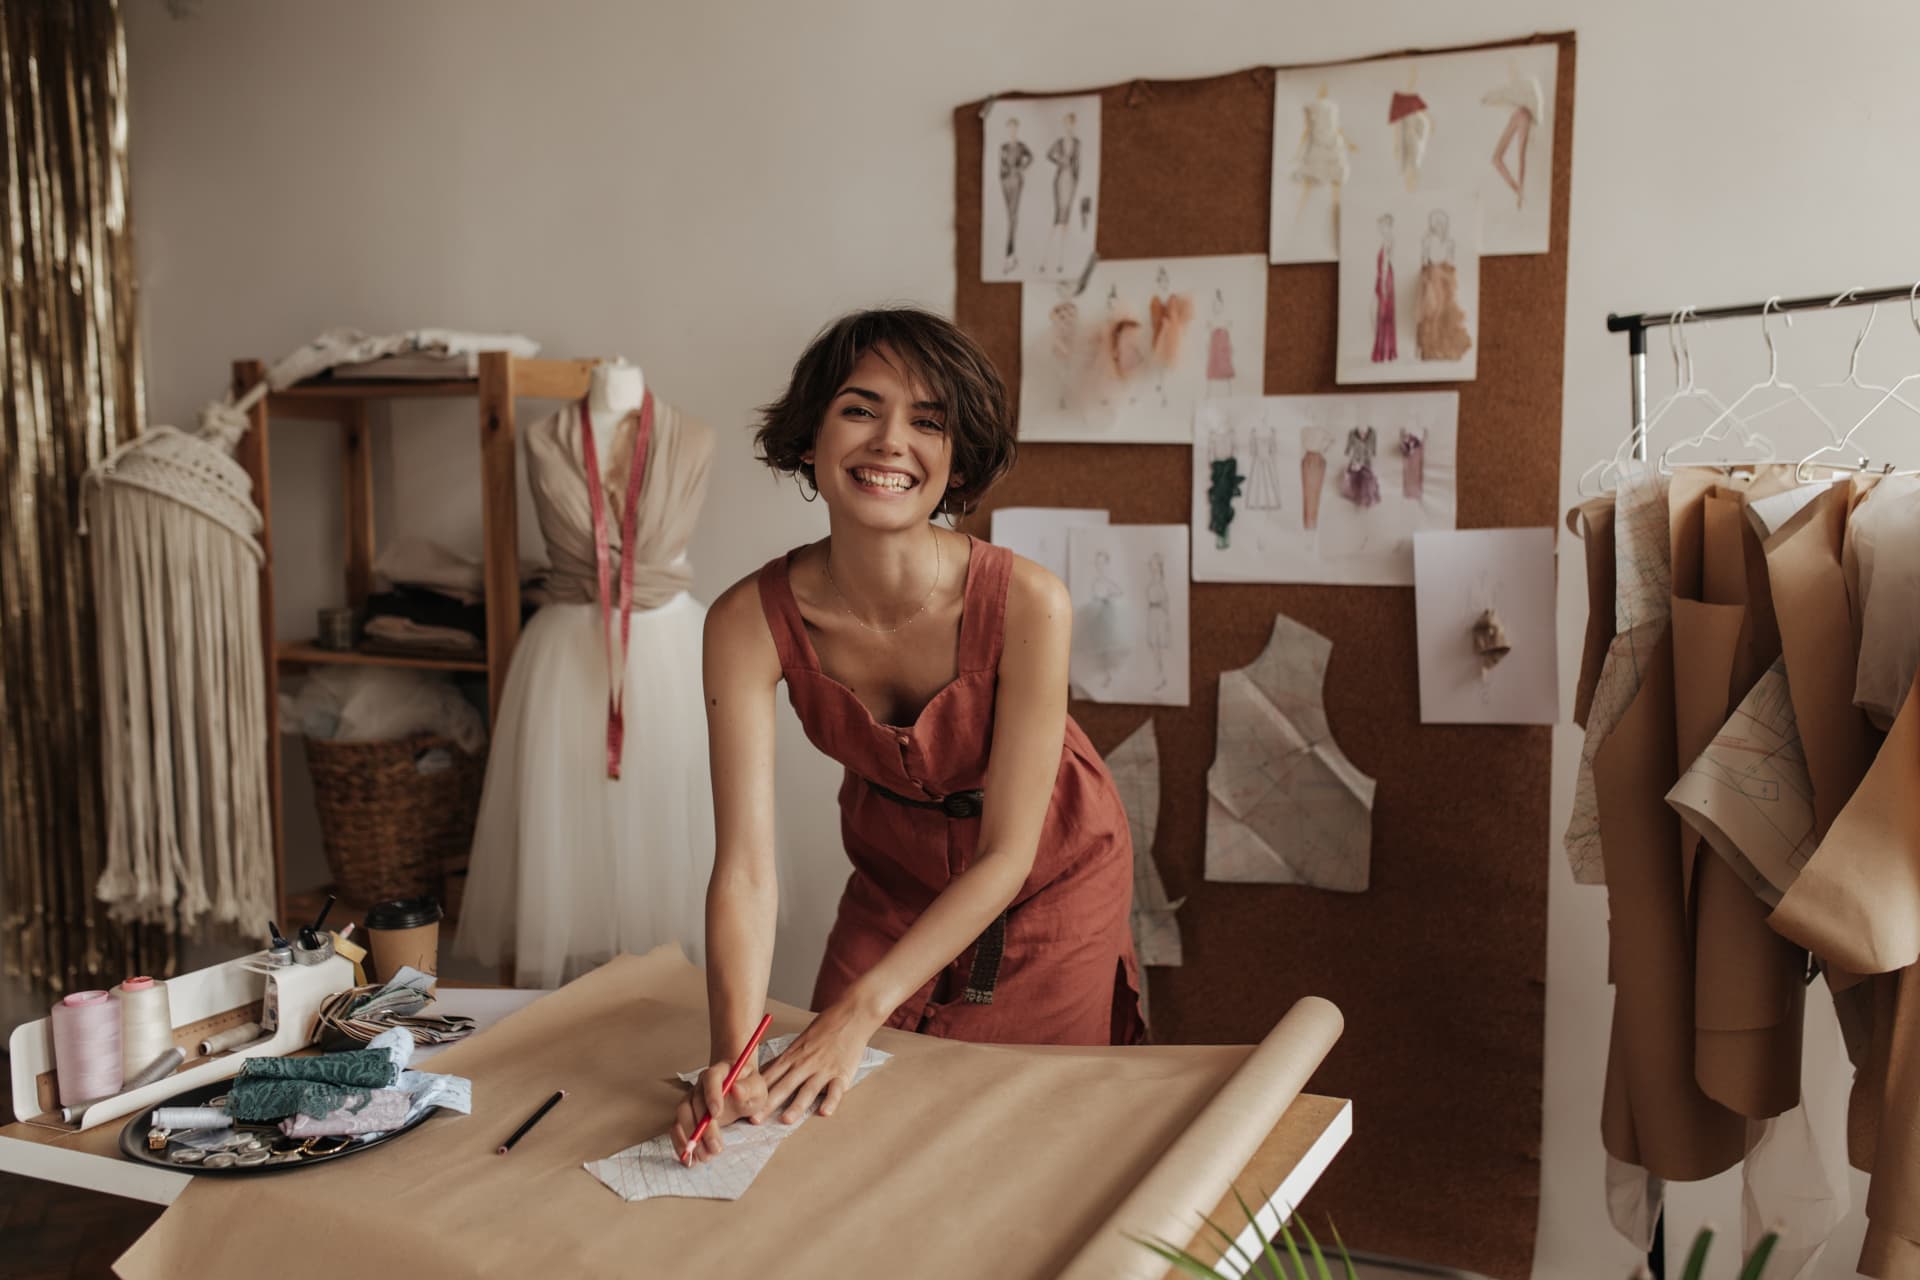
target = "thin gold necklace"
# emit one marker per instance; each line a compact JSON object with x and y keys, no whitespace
{"x":848,"y":606}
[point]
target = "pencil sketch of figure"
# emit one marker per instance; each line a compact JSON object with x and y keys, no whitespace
{"x":1064,"y":320}
{"x":1412,"y":126}
{"x":1159,"y":617}
{"x":1321,"y":158}
{"x":1220,"y":347}
{"x":1107,"y":594}
{"x":1065,"y":155}
{"x":1015,"y":157}
{"x":1263,"y":486}
{"x":1526,"y":105}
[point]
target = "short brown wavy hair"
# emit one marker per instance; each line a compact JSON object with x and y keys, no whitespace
{"x":953,"y":368}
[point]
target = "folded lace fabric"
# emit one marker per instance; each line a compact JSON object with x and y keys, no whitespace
{"x":378,"y":1111}
{"x":273,"y":1088}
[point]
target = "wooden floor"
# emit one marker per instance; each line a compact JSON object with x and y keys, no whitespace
{"x":51,"y":1232}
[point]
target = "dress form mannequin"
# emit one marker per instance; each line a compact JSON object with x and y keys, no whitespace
{"x":616,"y":389}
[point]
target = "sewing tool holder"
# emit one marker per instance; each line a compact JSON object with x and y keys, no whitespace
{"x":285,"y":1001}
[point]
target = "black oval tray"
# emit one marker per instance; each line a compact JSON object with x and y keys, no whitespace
{"x":133,"y":1138}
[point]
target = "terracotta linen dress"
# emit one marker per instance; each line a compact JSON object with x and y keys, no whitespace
{"x":1058,"y":968}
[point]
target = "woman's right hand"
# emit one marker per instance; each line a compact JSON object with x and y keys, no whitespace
{"x":747,"y":1101}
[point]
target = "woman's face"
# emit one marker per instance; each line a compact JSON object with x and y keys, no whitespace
{"x":882,"y":456}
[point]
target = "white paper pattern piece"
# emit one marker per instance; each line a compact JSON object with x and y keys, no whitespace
{"x":1409,"y":288}
{"x":1643,"y":580}
{"x":1040,"y":533}
{"x":652,"y":1168}
{"x":1457,"y":576}
{"x":1040,"y":188}
{"x":1135,"y":765}
{"x":1284,"y":804}
{"x":1478,"y":122}
{"x":1321,"y":488}
{"x":1749,"y":794}
{"x":1128,"y":357}
{"x":1129,"y":588}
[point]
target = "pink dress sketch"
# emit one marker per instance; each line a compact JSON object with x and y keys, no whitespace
{"x":1358,"y":484}
{"x":1219,"y":345}
{"x":1386,"y":341}
{"x":1413,"y":463}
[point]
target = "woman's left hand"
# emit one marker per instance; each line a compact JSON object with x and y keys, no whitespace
{"x":820,"y":1063}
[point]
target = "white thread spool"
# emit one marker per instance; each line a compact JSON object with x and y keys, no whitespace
{"x":86,"y":1046}
{"x":146,"y":1022}
{"x":245,"y":1033}
{"x":191,"y":1118}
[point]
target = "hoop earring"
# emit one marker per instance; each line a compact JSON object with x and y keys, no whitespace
{"x":808,"y":493}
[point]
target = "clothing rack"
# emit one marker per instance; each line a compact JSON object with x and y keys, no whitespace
{"x":1636,"y":326}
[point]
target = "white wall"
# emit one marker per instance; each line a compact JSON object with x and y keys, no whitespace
{"x":700,"y":186}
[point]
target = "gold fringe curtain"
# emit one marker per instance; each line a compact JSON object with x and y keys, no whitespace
{"x":70,"y":390}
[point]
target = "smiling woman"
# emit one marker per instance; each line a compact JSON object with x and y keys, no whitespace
{"x":992,"y":868}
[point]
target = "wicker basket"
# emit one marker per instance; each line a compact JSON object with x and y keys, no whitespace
{"x":389,"y":829}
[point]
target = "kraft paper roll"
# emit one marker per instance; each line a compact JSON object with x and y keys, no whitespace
{"x":1198,"y":1168}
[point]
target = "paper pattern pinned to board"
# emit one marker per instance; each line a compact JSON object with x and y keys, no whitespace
{"x":1749,"y":794}
{"x":1284,"y":804}
{"x":1135,"y":765}
{"x":652,"y":1168}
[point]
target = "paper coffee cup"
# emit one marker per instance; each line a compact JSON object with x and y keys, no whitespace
{"x":404,"y":931}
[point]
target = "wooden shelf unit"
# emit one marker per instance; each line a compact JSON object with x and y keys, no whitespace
{"x":503,"y":379}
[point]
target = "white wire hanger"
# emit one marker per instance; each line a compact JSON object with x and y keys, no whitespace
{"x":1839,"y":442}
{"x":1730,"y":417}
{"x":1685,"y":388}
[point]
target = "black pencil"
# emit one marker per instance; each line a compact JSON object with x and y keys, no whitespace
{"x":532,"y":1120}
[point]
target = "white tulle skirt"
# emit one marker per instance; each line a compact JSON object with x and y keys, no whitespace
{"x":569,"y":866}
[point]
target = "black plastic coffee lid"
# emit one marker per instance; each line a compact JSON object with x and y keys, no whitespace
{"x":403,"y":913}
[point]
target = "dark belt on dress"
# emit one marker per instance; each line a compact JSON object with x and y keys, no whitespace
{"x":988,"y":948}
{"x":955,"y":804}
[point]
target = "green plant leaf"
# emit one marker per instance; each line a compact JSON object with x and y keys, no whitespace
{"x":1345,"y":1257}
{"x":1757,"y":1260}
{"x":1313,"y":1246}
{"x":1697,"y":1256}
{"x":1286,"y":1234}
{"x":1232,"y":1245}
{"x":1180,"y":1258}
{"x":1273,"y":1259}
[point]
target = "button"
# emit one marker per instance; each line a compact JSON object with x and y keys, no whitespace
{"x":904,"y":738}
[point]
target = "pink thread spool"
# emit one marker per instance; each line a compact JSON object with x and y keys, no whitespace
{"x":86,"y":1046}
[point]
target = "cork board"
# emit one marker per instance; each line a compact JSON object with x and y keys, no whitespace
{"x":1440,"y":967}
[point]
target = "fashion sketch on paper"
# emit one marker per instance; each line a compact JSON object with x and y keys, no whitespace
{"x":1224,"y":483}
{"x":1015,"y":158}
{"x":1526,"y":105}
{"x":1168,"y":315}
{"x":1314,"y":444}
{"x":1359,"y":484}
{"x":1386,"y":338}
{"x":1412,"y":126}
{"x":1441,"y":330}
{"x":1107,"y":595}
{"x":1263,"y":484}
{"x":1063,"y":322}
{"x":1220,"y":347}
{"x":1413,"y":463}
{"x":1321,"y":158}
{"x":1065,"y":157}
{"x":1159,"y":617}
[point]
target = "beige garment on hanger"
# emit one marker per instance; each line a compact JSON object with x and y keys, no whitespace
{"x":1592,"y":523}
{"x":678,"y":457}
{"x":1749,"y":989}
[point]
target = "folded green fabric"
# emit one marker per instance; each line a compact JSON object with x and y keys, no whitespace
{"x":274,"y":1088}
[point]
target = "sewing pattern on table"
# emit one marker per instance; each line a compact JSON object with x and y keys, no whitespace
{"x":652,"y":1168}
{"x":1749,"y":794}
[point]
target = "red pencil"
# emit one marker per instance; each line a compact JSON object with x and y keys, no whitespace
{"x":753,"y":1042}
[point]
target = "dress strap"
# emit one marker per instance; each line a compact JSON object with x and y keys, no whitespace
{"x":983,"y":628}
{"x":783,"y":615}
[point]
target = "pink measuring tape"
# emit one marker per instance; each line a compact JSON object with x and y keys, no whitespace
{"x":602,"y":557}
